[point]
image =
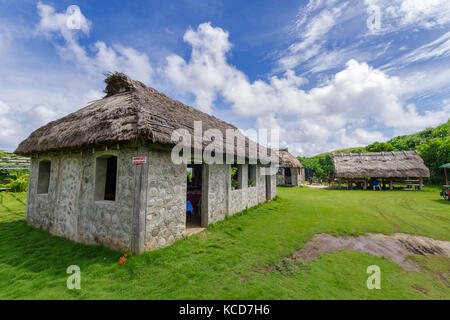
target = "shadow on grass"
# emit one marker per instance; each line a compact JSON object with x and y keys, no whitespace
{"x":2,"y":206}
{"x":24,"y":247}
{"x":371,"y":190}
{"x":18,"y":198}
{"x":442,"y":201}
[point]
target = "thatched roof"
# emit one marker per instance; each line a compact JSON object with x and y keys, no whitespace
{"x":401,"y":164}
{"x":287,"y":160}
{"x":129,"y":112}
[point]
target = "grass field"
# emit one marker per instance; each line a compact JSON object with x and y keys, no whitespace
{"x":227,"y":260}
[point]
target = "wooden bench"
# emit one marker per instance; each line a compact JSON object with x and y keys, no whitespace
{"x":410,"y":184}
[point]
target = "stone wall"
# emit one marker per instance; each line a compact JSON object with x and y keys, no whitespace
{"x":280,"y":177}
{"x":216,"y":178}
{"x":273,"y":186}
{"x":69,"y":209}
{"x":252,"y":196}
{"x":296,"y":177}
{"x":236,"y":203}
{"x":238,"y":200}
{"x":261,"y":185}
{"x":166,"y":201}
{"x":247,"y":197}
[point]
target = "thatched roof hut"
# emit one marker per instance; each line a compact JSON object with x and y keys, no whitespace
{"x":401,"y":164}
{"x":287,"y":160}
{"x":129,"y":112}
{"x":106,"y":174}
{"x":291,"y":171}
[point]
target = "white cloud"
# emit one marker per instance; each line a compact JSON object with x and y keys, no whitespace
{"x":359,"y":137}
{"x":4,"y":108}
{"x":59,"y":22}
{"x":352,"y":107}
{"x":207,"y":71}
{"x":17,"y":124}
{"x":34,"y":93}
{"x":120,"y":58}
{"x":324,"y":29}
{"x":400,"y":14}
{"x":347,"y":110}
{"x":436,"y":49}
{"x":115,"y":58}
{"x":427,"y":14}
{"x":312,"y":32}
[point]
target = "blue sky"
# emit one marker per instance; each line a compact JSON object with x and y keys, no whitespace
{"x":328,"y":74}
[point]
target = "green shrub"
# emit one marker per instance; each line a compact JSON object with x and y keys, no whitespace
{"x":20,"y":182}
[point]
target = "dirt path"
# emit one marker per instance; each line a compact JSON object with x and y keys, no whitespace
{"x":396,"y":247}
{"x":316,"y":186}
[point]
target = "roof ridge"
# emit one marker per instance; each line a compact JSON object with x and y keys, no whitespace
{"x":381,"y":153}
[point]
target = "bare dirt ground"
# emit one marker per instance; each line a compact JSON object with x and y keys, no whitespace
{"x":397,"y":247}
{"x":317,"y":186}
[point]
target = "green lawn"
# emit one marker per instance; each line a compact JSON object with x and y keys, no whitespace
{"x":226,"y":261}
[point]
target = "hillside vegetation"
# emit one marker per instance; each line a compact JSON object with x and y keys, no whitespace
{"x":433,"y":144}
{"x":14,"y":172}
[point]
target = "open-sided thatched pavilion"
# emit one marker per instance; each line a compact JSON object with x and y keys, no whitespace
{"x":406,"y":167}
{"x":291,"y":171}
{"x":104,"y":174}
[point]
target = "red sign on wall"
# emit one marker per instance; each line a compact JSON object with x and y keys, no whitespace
{"x":139,"y":160}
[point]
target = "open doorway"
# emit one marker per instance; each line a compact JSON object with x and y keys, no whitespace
{"x":287,"y":176}
{"x":194,"y":192}
{"x":105,"y":178}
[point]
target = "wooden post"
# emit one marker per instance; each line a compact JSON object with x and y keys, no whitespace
{"x":421,"y":183}
{"x":391,"y":186}
{"x":365,"y":184}
{"x":339,"y":184}
{"x":140,"y":204}
{"x":205,"y":195}
{"x":228,"y":180}
{"x":135,"y":243}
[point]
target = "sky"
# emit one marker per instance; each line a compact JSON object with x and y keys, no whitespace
{"x":328,"y":74}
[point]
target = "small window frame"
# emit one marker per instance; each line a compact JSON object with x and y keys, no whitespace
{"x":252,"y":175}
{"x":238,"y":174}
{"x":102,"y":165}
{"x":44,"y":176}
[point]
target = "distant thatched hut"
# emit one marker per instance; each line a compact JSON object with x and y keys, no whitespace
{"x":104,"y":174}
{"x":406,"y":167}
{"x":291,"y":172}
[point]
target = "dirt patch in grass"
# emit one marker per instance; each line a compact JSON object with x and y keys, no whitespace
{"x":419,"y":288}
{"x":397,"y":247}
